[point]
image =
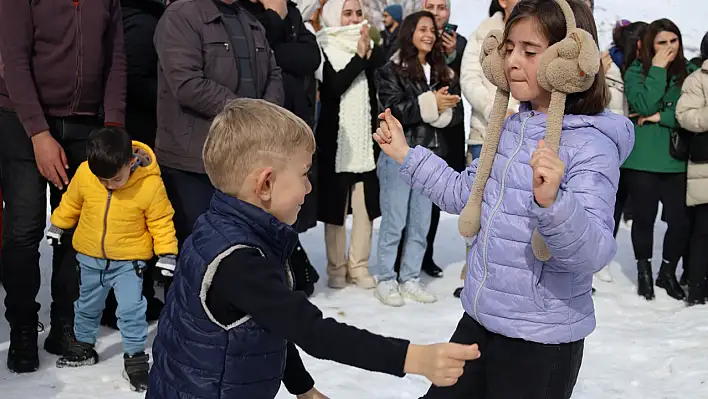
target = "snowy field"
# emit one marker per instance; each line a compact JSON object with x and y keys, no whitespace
{"x":640,"y":349}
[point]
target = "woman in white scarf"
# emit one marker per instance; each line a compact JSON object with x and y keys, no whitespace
{"x":344,"y":138}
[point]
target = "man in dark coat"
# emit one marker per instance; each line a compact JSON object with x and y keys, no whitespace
{"x":58,"y":82}
{"x":209,"y":52}
{"x":298,"y":55}
{"x":139,"y":22}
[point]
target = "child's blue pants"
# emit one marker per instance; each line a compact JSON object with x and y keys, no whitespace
{"x":98,"y":276}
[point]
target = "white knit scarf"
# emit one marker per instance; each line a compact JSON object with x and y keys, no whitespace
{"x":355,"y":152}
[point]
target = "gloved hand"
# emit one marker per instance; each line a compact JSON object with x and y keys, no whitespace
{"x":166,"y":265}
{"x":54,"y":235}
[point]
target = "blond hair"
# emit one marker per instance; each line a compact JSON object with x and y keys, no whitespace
{"x":247,"y":134}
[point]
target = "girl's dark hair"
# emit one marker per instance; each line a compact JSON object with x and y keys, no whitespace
{"x":704,"y":48}
{"x":552,"y":26}
{"x":677,"y":67}
{"x":631,"y":36}
{"x":495,"y":7}
{"x":617,"y":36}
{"x":409,"y":65}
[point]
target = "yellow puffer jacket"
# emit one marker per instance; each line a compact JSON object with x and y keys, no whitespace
{"x":121,"y":224}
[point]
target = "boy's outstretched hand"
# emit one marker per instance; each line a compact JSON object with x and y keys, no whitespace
{"x":312,"y":394}
{"x":442,"y":364}
{"x":390,"y":137}
{"x":548,"y":171}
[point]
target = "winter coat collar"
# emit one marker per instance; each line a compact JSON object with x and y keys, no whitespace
{"x":279,"y":236}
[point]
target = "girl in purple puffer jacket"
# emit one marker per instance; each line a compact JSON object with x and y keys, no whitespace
{"x":539,"y":203}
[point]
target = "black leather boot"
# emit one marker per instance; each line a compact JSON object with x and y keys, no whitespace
{"x":697,"y":293}
{"x":22,"y":355}
{"x":645,"y":280}
{"x":667,"y":280}
{"x":60,"y":338}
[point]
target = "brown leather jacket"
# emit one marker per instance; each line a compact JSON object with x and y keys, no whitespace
{"x":198,"y":74}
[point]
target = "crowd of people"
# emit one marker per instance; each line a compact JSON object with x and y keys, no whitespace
{"x":95,"y":95}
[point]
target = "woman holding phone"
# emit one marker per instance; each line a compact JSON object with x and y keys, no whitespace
{"x":453,"y":47}
{"x":422,"y":92}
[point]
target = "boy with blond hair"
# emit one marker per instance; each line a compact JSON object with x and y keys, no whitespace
{"x":232,"y":321}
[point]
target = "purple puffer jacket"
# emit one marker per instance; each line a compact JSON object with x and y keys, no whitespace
{"x":507,"y":289}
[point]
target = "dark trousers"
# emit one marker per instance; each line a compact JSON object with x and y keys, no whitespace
{"x":190,"y":194}
{"x":434,"y":221}
{"x":512,"y":368}
{"x":621,"y":202}
{"x":698,"y":248}
{"x":646,"y":190}
{"x":25,"y":216}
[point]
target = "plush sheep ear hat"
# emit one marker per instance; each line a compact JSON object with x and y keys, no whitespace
{"x":569,"y":66}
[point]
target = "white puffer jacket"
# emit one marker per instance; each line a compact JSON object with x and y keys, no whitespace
{"x":479,"y":91}
{"x":692,"y":115}
{"x":615,"y":85}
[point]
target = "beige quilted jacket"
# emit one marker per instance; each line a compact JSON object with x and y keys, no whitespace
{"x":692,"y":114}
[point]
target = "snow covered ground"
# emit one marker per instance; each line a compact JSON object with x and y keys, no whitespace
{"x":642,"y":350}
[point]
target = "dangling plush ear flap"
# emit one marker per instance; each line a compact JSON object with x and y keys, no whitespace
{"x":492,"y":60}
{"x":569,"y":66}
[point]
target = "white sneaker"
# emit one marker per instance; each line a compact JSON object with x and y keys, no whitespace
{"x":605,"y":275}
{"x":412,"y":289}
{"x":387,"y":292}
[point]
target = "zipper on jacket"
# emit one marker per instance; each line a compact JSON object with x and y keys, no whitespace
{"x":105,"y":229}
{"x":494,"y":211}
{"x":79,"y":57}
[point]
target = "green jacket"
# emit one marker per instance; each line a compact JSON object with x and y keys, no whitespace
{"x":646,"y":96}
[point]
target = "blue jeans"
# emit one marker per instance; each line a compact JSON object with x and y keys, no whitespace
{"x":126,"y":279}
{"x":473,"y":152}
{"x":401,"y":208}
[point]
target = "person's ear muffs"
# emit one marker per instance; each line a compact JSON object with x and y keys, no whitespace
{"x":570,"y":66}
{"x":492,"y":59}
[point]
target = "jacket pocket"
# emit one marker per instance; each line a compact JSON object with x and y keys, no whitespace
{"x":536,"y":279}
{"x":220,"y":62}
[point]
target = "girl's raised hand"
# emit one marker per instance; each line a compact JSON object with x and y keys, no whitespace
{"x":548,"y":171}
{"x":663,"y":57}
{"x":391,"y":138}
{"x":363,"y":46}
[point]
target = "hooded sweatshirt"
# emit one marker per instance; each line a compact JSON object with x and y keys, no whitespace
{"x":507,"y":289}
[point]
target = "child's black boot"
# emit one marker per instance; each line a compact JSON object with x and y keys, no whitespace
{"x":136,"y":371}
{"x":79,"y":354}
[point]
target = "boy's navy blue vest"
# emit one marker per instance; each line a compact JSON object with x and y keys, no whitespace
{"x":194,"y":356}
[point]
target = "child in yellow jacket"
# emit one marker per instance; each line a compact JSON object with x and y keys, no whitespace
{"x":118,"y":204}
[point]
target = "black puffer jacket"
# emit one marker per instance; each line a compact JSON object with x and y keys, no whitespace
{"x":414,"y":105}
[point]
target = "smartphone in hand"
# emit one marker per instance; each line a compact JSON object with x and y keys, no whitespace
{"x":449,"y":29}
